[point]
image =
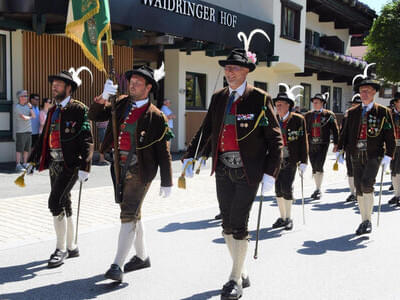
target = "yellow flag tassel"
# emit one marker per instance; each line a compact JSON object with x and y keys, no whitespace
{"x":182,"y":179}
{"x":335,"y":166}
{"x":20,"y":181}
{"x":202,"y":159}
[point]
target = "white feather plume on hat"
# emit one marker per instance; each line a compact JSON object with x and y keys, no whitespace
{"x":159,"y":73}
{"x":246,"y":42}
{"x":289,"y":91}
{"x":75,"y":74}
{"x":325,"y":96}
{"x":364,"y":75}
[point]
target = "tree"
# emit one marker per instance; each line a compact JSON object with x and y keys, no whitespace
{"x":383,"y":43}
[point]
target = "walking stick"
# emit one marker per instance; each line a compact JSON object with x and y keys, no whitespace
{"x":258,"y":225}
{"x":77,"y":213}
{"x":380,"y":196}
{"x":302,"y":198}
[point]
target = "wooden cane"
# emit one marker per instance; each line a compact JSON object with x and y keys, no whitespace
{"x":380,"y":197}
{"x":258,"y":225}
{"x":77,"y":213}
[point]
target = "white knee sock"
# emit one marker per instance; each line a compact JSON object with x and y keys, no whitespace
{"x":139,"y":242}
{"x":70,"y":234}
{"x":361,"y":207}
{"x":396,"y":185}
{"x":229,"y":243}
{"x":288,"y":207}
{"x":60,"y":226}
{"x":318,"y":179}
{"x":351,"y":185}
{"x":239,"y":251}
{"x":282,"y":207}
{"x":369,"y":205}
{"x":125,"y":240}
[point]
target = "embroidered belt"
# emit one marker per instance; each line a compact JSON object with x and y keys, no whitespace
{"x":56,"y":155}
{"x":397,"y":142}
{"x":231,"y":159}
{"x":316,"y":140}
{"x":361,"y":145}
{"x":123,"y":155}
{"x":285,"y":152}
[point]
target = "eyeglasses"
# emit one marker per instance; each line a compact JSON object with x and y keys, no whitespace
{"x":25,"y":96}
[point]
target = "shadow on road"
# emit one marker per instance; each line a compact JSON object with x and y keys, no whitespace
{"x":265,"y":234}
{"x":195,"y":225}
{"x":204,"y":295}
{"x":79,"y":289}
{"x":334,"y":205}
{"x":22,"y":272}
{"x":338,"y":190}
{"x":341,"y":244}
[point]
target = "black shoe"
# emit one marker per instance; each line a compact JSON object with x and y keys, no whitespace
{"x":365,"y":227}
{"x":73,"y":253}
{"x":279,"y":223}
{"x":289,"y":224}
{"x":136,"y":264}
{"x":391,"y":188}
{"x":245,"y":282}
{"x":351,"y":198}
{"x":114,"y":273}
{"x":218,"y":217}
{"x":57,"y":258}
{"x":231,"y":291}
{"x":394,"y":200}
{"x":316,"y":195}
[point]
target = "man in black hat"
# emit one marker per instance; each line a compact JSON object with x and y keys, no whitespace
{"x":65,"y":147}
{"x":395,"y":163}
{"x":368,"y":137}
{"x":321,"y":123}
{"x":246,"y":146}
{"x":356,"y":100}
{"x":143,"y":133}
{"x":295,"y":153}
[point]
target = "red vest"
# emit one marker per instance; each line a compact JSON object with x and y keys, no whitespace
{"x":127,"y":134}
{"x":316,"y":126}
{"x":228,"y":138}
{"x":54,"y":138}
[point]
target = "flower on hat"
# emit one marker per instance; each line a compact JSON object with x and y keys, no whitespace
{"x":251,"y":57}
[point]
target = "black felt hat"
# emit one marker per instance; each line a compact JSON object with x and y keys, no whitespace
{"x":356,"y":99}
{"x":284,"y":97}
{"x":395,"y":98}
{"x":238,"y":57}
{"x":66,"y":77}
{"x":319,"y":96}
{"x":367,"y":78}
{"x":145,"y":72}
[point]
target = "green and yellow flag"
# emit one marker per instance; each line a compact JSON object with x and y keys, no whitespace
{"x":87,"y":22}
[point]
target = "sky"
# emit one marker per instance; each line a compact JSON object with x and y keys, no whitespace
{"x":375,"y":4}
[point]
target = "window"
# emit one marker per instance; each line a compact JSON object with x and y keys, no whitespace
{"x":261,"y":85}
{"x":388,"y":92}
{"x":290,"y":20}
{"x":195,"y":91}
{"x":337,"y":100}
{"x":3,"y":69}
{"x":305,"y":100}
{"x":316,"y":37}
{"x":327,"y":89}
{"x":309,"y":37}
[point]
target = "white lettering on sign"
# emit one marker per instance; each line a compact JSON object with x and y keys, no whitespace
{"x":195,"y":10}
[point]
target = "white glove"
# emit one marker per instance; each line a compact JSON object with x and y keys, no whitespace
{"x":267,"y":184}
{"x":166,"y":191}
{"x":302,"y":169}
{"x":30,"y":169}
{"x":109,"y":89}
{"x":386,"y":162}
{"x":189,"y":169}
{"x":339,"y":157}
{"x":83,"y":176}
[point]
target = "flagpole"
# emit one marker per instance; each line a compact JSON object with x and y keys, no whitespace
{"x":111,"y":75}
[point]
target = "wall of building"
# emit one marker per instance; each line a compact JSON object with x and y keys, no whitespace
{"x":328,"y":28}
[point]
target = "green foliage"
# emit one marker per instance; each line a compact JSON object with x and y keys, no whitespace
{"x":383,"y":42}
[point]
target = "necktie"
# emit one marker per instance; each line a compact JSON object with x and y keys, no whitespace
{"x":56,"y":113}
{"x":281,"y":122}
{"x":230,"y":102}
{"x":364,"y":110}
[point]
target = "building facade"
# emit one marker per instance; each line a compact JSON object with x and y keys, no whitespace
{"x":310,"y":42}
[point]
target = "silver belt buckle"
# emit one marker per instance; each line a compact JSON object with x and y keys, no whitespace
{"x":285,"y":152}
{"x":133,"y":161}
{"x":362,"y":145}
{"x":231,"y":159}
{"x":56,"y":155}
{"x":316,"y":140}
